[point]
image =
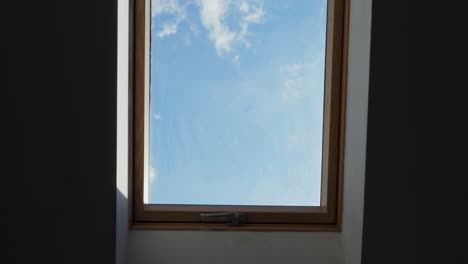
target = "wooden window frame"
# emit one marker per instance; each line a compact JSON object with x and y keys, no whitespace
{"x":326,"y":217}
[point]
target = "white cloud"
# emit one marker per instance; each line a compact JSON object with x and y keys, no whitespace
{"x":157,"y":116}
{"x":172,"y":8}
{"x":213,"y":17}
{"x":293,"y":80}
{"x":213,"y":14}
{"x":244,"y":7}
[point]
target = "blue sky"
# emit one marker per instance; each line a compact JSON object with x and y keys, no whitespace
{"x":236,"y":102}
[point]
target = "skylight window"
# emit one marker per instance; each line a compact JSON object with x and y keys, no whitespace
{"x":238,"y":109}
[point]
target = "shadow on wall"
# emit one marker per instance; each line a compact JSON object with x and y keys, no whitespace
{"x":122,"y":226}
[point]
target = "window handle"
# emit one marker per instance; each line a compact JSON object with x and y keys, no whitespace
{"x":232,"y":218}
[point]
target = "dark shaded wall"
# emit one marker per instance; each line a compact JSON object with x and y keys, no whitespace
{"x":415,"y":201}
{"x":58,"y":120}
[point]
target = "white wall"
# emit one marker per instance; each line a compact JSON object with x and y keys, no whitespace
{"x":356,"y":129}
{"x":122,"y":205}
{"x":214,"y":247}
{"x":282,"y":247}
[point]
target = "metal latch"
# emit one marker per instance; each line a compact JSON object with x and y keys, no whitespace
{"x":231,"y":218}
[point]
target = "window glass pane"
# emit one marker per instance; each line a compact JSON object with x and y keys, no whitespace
{"x":236,"y":105}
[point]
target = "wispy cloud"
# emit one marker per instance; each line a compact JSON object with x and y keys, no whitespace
{"x":157,"y":116}
{"x":252,"y":13}
{"x":153,"y":173}
{"x":213,"y":15}
{"x":292,"y":69}
{"x":167,"y":30}
{"x":293,"y":80}
{"x":174,"y":10}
